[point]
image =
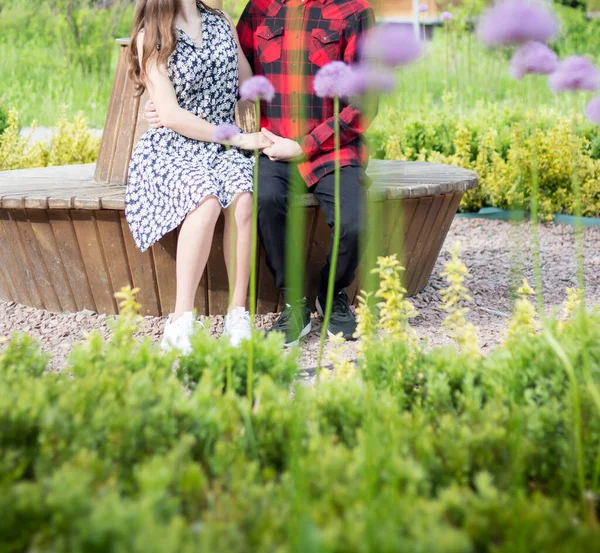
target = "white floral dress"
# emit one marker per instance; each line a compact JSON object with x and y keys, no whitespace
{"x":169,"y":174}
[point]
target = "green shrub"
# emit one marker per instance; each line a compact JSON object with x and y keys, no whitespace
{"x":3,"y":118}
{"x":440,"y":452}
{"x":497,"y":141}
{"x":71,"y":143}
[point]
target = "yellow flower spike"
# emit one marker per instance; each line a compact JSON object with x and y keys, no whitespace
{"x":573,"y":302}
{"x":464,"y":334}
{"x":524,"y":319}
{"x":395,"y":310}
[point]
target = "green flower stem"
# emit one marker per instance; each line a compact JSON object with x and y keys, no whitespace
{"x":231,"y":253}
{"x":577,"y":199}
{"x":253,"y":256}
{"x":537,"y":266}
{"x":336,"y":235}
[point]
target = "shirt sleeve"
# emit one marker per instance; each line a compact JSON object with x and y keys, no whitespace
{"x":246,"y":35}
{"x":353,"y":123}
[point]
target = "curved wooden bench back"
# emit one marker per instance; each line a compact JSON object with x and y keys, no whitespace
{"x":125,"y":124}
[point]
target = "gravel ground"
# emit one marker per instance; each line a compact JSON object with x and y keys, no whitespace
{"x":496,"y":253}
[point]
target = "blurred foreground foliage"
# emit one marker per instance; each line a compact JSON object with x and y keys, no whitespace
{"x":445,"y":451}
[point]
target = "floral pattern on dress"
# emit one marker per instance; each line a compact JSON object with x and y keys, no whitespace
{"x":170,"y":174}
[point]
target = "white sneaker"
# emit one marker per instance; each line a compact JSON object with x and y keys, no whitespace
{"x":237,"y":326}
{"x":177,"y":334}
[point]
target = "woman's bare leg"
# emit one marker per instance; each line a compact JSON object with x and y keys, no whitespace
{"x":238,"y":239}
{"x":193,"y":246}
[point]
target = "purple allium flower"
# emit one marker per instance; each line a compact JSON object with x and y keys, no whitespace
{"x":225,"y":132}
{"x":446,"y":16}
{"x":257,"y":88}
{"x":391,"y":44}
{"x":575,"y":73}
{"x":423,"y":8}
{"x":517,"y":21}
{"x":592,"y":110}
{"x":364,"y":79}
{"x":332,"y":80}
{"x":533,"y":57}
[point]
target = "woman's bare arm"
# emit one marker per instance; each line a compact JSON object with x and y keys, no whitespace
{"x":174,"y":117}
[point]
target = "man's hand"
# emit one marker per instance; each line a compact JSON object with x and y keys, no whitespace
{"x":151,"y":115}
{"x":252,"y":141}
{"x":283,"y":149}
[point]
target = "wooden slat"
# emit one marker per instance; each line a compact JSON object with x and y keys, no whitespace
{"x":218,"y":285}
{"x":62,"y":227}
{"x":124,"y":145}
{"x":163,"y":253}
{"x":112,"y":124}
{"x":444,"y":201}
{"x":245,"y":116}
{"x":429,"y":228}
{"x":412,"y":234}
{"x":23,"y":264}
{"x":50,"y":253}
{"x":141,"y":125}
{"x":39,"y":272}
{"x":435,"y":249}
{"x":5,"y":292}
{"x":113,"y":246}
{"x":142,"y":272}
{"x":8,"y":264}
{"x":93,"y":260}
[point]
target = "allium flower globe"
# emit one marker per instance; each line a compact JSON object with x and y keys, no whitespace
{"x":225,"y":132}
{"x":575,"y":73}
{"x":446,"y":16}
{"x":257,"y":88}
{"x":533,"y":58}
{"x":512,"y":22}
{"x":390,"y":44}
{"x":423,"y":8}
{"x":592,"y":110}
{"x":332,"y":80}
{"x":364,"y":79}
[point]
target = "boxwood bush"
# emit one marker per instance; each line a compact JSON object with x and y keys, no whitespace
{"x":447,"y":451}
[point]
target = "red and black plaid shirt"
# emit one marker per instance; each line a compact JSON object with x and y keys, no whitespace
{"x":288,"y":41}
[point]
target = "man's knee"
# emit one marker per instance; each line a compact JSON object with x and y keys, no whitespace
{"x":271,"y":198}
{"x":351,"y":227}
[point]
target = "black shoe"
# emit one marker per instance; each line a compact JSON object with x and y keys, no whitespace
{"x":342,"y":318}
{"x":293,"y":323}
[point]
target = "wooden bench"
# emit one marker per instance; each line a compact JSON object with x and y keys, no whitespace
{"x":65,"y":244}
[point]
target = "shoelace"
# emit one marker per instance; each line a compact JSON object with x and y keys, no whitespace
{"x":341,"y":307}
{"x":240,"y":322}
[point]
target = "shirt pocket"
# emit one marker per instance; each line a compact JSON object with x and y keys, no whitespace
{"x":324,"y":47}
{"x":268,"y":41}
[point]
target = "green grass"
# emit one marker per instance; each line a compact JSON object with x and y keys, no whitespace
{"x":37,"y":79}
{"x":38,"y":91}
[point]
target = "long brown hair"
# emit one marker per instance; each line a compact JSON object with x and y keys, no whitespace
{"x":156,"y":18}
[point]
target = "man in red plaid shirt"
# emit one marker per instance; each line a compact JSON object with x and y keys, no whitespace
{"x":288,"y":41}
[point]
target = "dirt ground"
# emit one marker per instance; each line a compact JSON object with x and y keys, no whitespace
{"x":497,"y":254}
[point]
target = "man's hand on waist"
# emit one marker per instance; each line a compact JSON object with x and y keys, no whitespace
{"x":283,"y":149}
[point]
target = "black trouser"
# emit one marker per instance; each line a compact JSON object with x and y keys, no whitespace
{"x":273,"y":191}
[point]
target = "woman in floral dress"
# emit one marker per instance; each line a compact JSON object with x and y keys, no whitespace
{"x":188,"y":58}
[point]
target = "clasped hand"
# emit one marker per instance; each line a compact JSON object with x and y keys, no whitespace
{"x":275,"y":147}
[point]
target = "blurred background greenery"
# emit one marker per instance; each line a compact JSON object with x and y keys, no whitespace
{"x":457,"y":105}
{"x":60,"y":54}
